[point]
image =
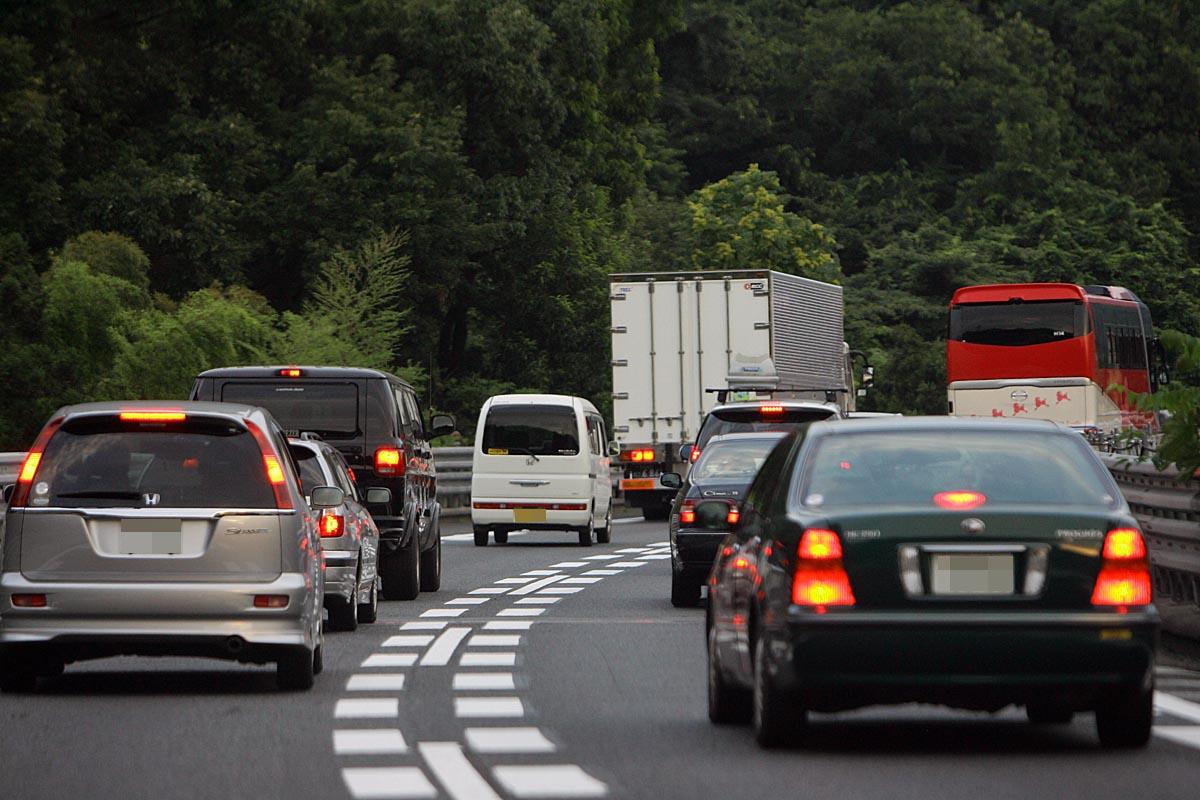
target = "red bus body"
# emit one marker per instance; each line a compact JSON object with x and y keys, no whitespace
{"x":1052,"y":351}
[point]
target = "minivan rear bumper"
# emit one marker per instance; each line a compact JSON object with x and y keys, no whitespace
{"x":554,"y":518}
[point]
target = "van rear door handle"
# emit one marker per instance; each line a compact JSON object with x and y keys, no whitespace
{"x":529,"y":483}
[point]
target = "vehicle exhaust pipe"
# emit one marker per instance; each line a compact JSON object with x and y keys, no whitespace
{"x":234,"y":644}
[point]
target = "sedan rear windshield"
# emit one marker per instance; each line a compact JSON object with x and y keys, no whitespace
{"x":753,"y":420}
{"x":100,"y":462}
{"x":330,"y":409}
{"x":732,"y":461}
{"x":540,"y":430}
{"x":977,"y":468}
{"x":1018,"y":324}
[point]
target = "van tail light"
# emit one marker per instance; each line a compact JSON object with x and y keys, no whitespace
{"x":332,"y":526}
{"x":32,"y":463}
{"x":820,"y":579}
{"x":1124,"y":578}
{"x":272,"y":466}
{"x":389,"y":461}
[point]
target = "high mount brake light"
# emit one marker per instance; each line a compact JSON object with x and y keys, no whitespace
{"x":152,"y":416}
{"x":770,"y":409}
{"x":1124,"y":578}
{"x":291,"y":372}
{"x":32,"y":462}
{"x":820,"y":579}
{"x":332,"y":526}
{"x":273,"y":467}
{"x":389,"y":461}
{"x":959,"y":501}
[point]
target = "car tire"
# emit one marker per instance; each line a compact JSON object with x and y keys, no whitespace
{"x":1125,"y":720}
{"x":431,"y":566}
{"x":685,"y":593}
{"x":778,"y":719}
{"x":727,"y":704}
{"x":368,"y":612}
{"x":585,"y":535}
{"x":501,"y":537}
{"x":295,"y":669}
{"x":343,"y":615}
{"x":401,"y":572}
{"x":1042,"y":713}
{"x":604,"y":533}
{"x":319,"y":659}
{"x":481,"y":536}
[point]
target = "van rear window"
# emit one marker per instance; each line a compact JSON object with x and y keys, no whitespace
{"x":539,"y":430}
{"x":100,"y":462}
{"x":328,"y":409}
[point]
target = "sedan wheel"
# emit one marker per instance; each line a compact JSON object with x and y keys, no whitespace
{"x":369,"y":611}
{"x":295,"y":669}
{"x":726,"y":704}
{"x":778,"y":717}
{"x":343,"y":615}
{"x":1126,"y":720}
{"x":431,"y":565}
{"x":401,"y":572}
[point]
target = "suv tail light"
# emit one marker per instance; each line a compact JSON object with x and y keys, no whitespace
{"x":31,"y":464}
{"x":820,"y":579}
{"x":272,"y":466}
{"x":389,"y":461}
{"x":332,"y":526}
{"x":1124,"y":578}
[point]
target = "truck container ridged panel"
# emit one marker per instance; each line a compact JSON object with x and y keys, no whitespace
{"x":806,"y":331}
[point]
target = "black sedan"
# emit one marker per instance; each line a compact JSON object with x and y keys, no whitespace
{"x":972,"y":563}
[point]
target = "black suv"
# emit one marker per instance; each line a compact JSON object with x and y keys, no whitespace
{"x":373,"y":419}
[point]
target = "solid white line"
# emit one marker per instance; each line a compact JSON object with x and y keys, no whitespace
{"x":583,"y":580}
{"x":603,"y":572}
{"x":363,"y":741}
{"x":558,"y":780}
{"x":388,"y":783}
{"x":1181,"y":734}
{"x":486,"y":659}
{"x":390,"y":660}
{"x":376,"y":683}
{"x":628,"y":564}
{"x":475,"y":681}
{"x":520,"y":612}
{"x":1177,"y":706}
{"x":467,"y":601}
{"x":533,"y":587}
{"x":514,"y":580}
{"x":508,"y":625}
{"x":423,"y":625}
{"x":603,"y":557}
{"x":489,"y":590}
{"x":537,"y":601}
{"x":541,"y":572}
{"x":440,"y":652}
{"x":561,"y":590}
{"x":508,"y":740}
{"x":486,"y":640}
{"x":409,"y":640}
{"x":628,"y":520}
{"x":444,"y":612}
{"x":570,"y":564}
{"x":455,"y":771}
{"x":368,"y":708}
{"x":488,"y":707}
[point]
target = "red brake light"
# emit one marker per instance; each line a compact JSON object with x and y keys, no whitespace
{"x":820,"y":579}
{"x":818,"y":544}
{"x":273,"y":467}
{"x":959,"y":501}
{"x":638,"y":455}
{"x":291,"y":372}
{"x":274,"y":470}
{"x":770,"y":409}
{"x":152,"y":416}
{"x":733,"y":516}
{"x":389,"y":461}
{"x":29,"y":467}
{"x":29,"y":600}
{"x":31,"y":463}
{"x":270,"y":601}
{"x":695,"y":454}
{"x":1124,"y":578}
{"x":1124,"y":544}
{"x":332,"y":526}
{"x":687,"y":513}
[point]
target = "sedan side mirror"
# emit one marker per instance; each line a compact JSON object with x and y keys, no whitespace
{"x":441,"y":424}
{"x":327,"y":497}
{"x":671,"y":480}
{"x":379,"y":496}
{"x":614,"y":449}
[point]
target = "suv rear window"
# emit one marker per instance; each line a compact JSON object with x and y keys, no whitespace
{"x":101,"y":462}
{"x":329,"y":409}
{"x":721,"y":421}
{"x":910,"y":468}
{"x":540,"y":430}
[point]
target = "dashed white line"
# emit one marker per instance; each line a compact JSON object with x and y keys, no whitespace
{"x":624,"y":564}
{"x":423,"y":625}
{"x":520,"y":612}
{"x":628,"y":520}
{"x":486,"y":659}
{"x":570,"y":564}
{"x":376,"y":683}
{"x":559,"y":780}
{"x":561,"y":590}
{"x":455,"y":772}
{"x":541,"y":572}
{"x":368,"y":741}
{"x":510,"y":581}
{"x":408,"y":640}
{"x":467,"y":601}
{"x":444,"y":612}
{"x":388,"y":783}
{"x":1182,"y":734}
{"x":654,"y":556}
{"x":390,"y":660}
{"x":633,"y":549}
{"x":367,"y":708}
{"x":603,"y":572}
{"x":489,"y":590}
{"x":538,"y":584}
{"x":508,"y":625}
{"x":488,"y":707}
{"x":582,"y":580}
{"x":601,"y":557}
{"x":494,"y":640}
{"x":476,"y":681}
{"x":1177,"y":706}
{"x":440,"y":652}
{"x":537,"y":601}
{"x":508,"y":740}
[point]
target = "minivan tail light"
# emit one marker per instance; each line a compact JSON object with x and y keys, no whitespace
{"x":820,"y":579}
{"x":389,"y":461}
{"x":272,"y":466}
{"x":31,"y":463}
{"x":1124,"y":578}
{"x":332,"y":526}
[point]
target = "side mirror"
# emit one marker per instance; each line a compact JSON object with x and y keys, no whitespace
{"x":441,"y":424}
{"x":614,"y":449}
{"x":327,"y":497}
{"x":671,"y":480}
{"x":685,"y":452}
{"x":8,"y":492}
{"x":378,"y":496}
{"x":713,"y":515}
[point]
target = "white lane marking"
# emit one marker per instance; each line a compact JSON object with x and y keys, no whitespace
{"x":475,"y":681}
{"x":423,"y":625}
{"x":570,"y":564}
{"x":628,"y":564}
{"x":538,"y":584}
{"x":628,"y":520}
{"x":455,"y":772}
{"x":582,"y":580}
{"x":376,"y":683}
{"x":1177,"y":706}
{"x":387,"y":783}
{"x":409,"y":640}
{"x":508,"y":625}
{"x":486,"y":659}
{"x":558,"y":780}
{"x":372,"y":708}
{"x":488,"y":707}
{"x":444,"y":612}
{"x":659,"y":544}
{"x":601,"y":557}
{"x":603,"y":572}
{"x":489,"y":590}
{"x":508,"y":740}
{"x":509,"y":581}
{"x":541,"y":572}
{"x":654,"y":556}
{"x":467,"y":601}
{"x":537,"y":601}
{"x":1176,"y":671}
{"x":1182,"y":734}
{"x":561,"y":590}
{"x":365,"y":741}
{"x":439,"y":653}
{"x":633,"y":549}
{"x":491,"y":640}
{"x":520,"y":612}
{"x":390,"y":660}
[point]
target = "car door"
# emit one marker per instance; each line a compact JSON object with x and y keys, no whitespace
{"x":599,"y":466}
{"x":423,"y":455}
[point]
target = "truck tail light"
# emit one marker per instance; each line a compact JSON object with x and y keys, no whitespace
{"x":820,"y":579}
{"x":1124,"y":578}
{"x":640,"y":456}
{"x":332,"y":526}
{"x":31,"y":463}
{"x":389,"y":461}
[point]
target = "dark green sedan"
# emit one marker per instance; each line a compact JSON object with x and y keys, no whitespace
{"x":971,"y":563}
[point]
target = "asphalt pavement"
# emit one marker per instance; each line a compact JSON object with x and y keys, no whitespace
{"x":542,"y":669}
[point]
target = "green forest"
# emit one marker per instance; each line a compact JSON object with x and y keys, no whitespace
{"x":440,"y":187}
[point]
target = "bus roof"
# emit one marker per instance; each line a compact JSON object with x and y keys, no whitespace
{"x":1034,"y":292}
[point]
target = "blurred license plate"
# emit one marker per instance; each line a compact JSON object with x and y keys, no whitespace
{"x":529,"y":515}
{"x":150,"y":537}
{"x":976,"y":573}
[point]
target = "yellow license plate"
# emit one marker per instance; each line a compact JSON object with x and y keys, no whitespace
{"x":529,"y":515}
{"x":638,"y":483}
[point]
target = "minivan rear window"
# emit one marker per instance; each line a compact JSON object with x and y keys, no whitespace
{"x":540,"y":430}
{"x":100,"y":462}
{"x":329,"y":409}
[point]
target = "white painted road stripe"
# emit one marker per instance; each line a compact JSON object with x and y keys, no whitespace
{"x":372,"y":708}
{"x":560,"y":590}
{"x":628,"y":520}
{"x":560,"y":780}
{"x":537,"y":601}
{"x":602,"y":557}
{"x":1182,"y":734}
{"x":583,"y":580}
{"x":475,"y":681}
{"x":489,"y":590}
{"x":493,"y":640}
{"x":423,"y":625}
{"x":388,"y":783}
{"x":1177,"y":706}
{"x":541,"y":572}
{"x":467,"y":601}
{"x":570,"y":564}
{"x":533,"y":587}
{"x":654,"y":556}
{"x":455,"y":772}
{"x":628,"y":564}
{"x":520,"y":612}
{"x":408,"y":640}
{"x":390,"y":660}
{"x":509,"y":581}
{"x":488,"y":707}
{"x":390,"y":682}
{"x":508,"y":740}
{"x":603,"y":572}
{"x":486,"y":659}
{"x":368,"y":741}
{"x":509,"y":625}
{"x":444,"y":612}
{"x":633,"y":549}
{"x":440,"y":652}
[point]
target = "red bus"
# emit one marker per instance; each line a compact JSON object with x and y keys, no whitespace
{"x":1050,"y":351}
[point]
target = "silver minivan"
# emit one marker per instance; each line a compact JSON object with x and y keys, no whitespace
{"x":141,"y":528}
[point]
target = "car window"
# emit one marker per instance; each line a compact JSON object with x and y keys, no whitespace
{"x":738,"y":460}
{"x":765,"y":489}
{"x":404,"y":412}
{"x":341,"y":472}
{"x":309,"y":467}
{"x":414,"y":410}
{"x":329,"y":409}
{"x":541,"y":430}
{"x":595,"y":428}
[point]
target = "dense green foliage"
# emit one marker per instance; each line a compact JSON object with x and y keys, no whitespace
{"x":442,"y":186}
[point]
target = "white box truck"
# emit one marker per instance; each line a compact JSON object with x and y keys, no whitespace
{"x":675,"y":336}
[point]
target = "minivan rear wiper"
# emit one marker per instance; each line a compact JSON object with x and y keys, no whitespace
{"x":523,"y":451}
{"x":101,"y":494}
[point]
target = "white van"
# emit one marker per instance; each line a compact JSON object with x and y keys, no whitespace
{"x":541,"y":463}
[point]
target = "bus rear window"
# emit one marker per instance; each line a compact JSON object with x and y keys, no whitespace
{"x":1018,"y":324}
{"x":540,"y":430}
{"x":328,"y":409}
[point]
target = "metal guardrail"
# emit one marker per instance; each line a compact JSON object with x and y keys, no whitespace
{"x":10,"y":464}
